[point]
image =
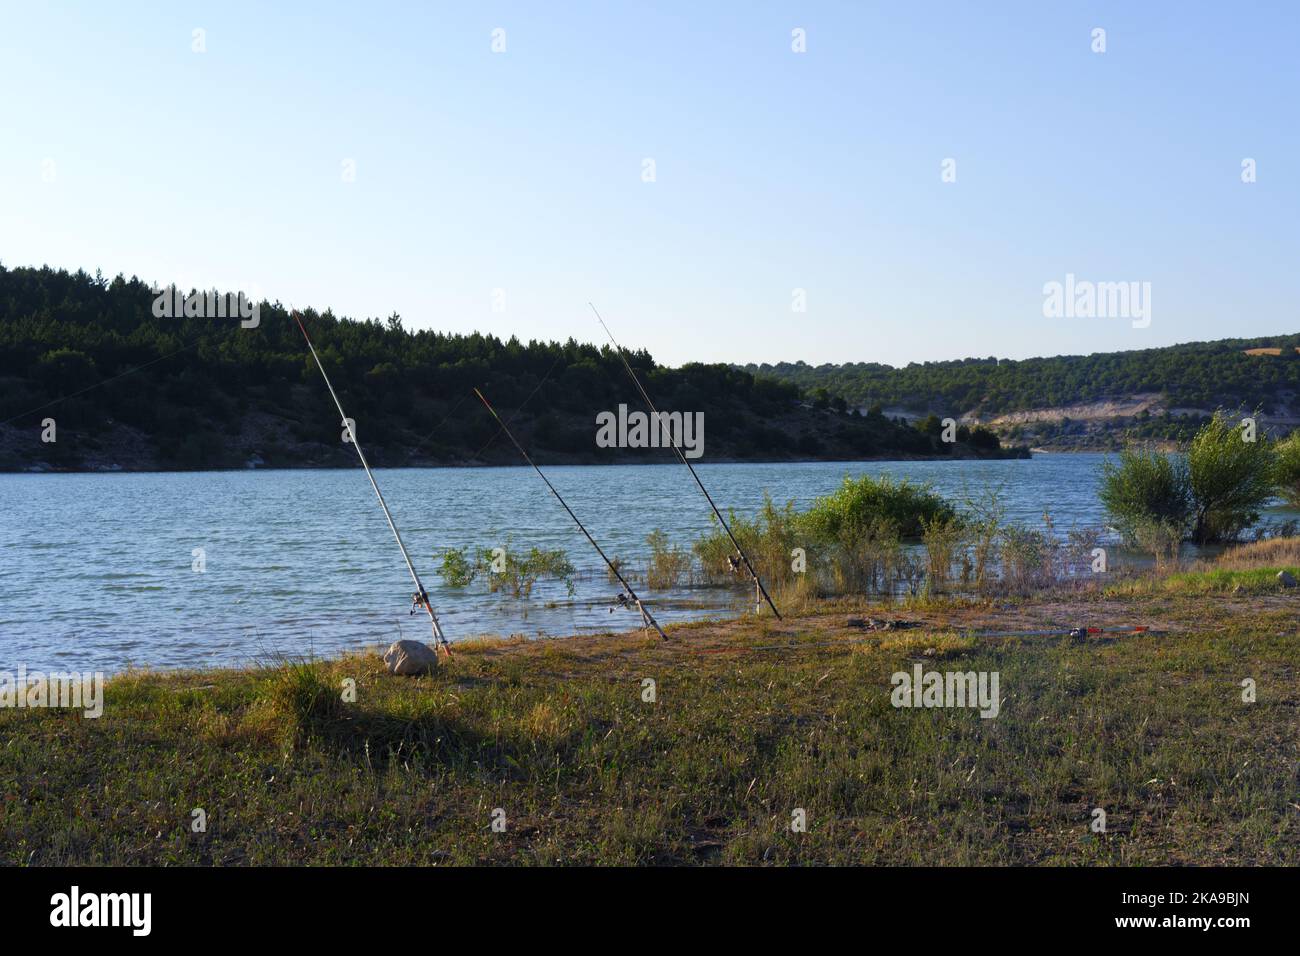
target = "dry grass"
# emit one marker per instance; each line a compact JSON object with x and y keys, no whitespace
{"x":1270,"y":553}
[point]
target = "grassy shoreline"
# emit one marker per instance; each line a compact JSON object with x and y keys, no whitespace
{"x":752,"y":719}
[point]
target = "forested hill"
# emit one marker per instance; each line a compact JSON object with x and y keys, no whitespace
{"x":1201,"y":375}
{"x":127,"y":389}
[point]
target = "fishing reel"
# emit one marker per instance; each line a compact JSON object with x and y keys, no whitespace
{"x":418,"y":601}
{"x":737,"y":565}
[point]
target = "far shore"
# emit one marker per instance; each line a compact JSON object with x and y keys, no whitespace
{"x":44,"y":468}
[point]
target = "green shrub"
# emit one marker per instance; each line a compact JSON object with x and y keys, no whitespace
{"x":668,"y":565}
{"x":1212,"y":493}
{"x":1230,"y":478}
{"x":1287,"y":469}
{"x":505,"y":569}
{"x":1145,"y":487}
{"x":864,"y":503}
{"x":457,"y":569}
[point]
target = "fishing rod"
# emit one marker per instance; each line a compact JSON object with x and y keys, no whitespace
{"x":421,"y":596}
{"x":758,"y":584}
{"x":647,"y":619}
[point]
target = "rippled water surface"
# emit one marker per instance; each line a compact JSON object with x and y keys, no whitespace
{"x":95,"y":569}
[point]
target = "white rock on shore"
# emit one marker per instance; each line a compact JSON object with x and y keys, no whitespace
{"x":410,"y":658}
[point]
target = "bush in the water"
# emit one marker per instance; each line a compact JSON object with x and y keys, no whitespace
{"x":1211,"y":494}
{"x":1287,"y":473}
{"x":1146,"y":488}
{"x":505,"y":569}
{"x":865,"y":503}
{"x":1231,"y":479}
{"x":668,"y":564}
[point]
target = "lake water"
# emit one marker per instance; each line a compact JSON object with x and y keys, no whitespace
{"x":96,"y":570}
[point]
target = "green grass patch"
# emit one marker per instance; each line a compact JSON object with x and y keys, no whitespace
{"x":748,"y":724}
{"x":1208,"y":581}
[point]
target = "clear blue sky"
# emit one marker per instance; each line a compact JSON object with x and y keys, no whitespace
{"x":523,"y":170}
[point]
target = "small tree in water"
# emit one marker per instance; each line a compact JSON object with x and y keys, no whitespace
{"x":1211,"y":494}
{"x":1146,"y":488}
{"x":1288,"y":469}
{"x":1231,"y":479}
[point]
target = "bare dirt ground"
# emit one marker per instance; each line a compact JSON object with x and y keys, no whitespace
{"x":839,"y":622}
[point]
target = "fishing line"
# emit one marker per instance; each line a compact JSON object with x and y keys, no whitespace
{"x":445,"y":418}
{"x":646,"y":617}
{"x":130,"y":371}
{"x":686,"y":461}
{"x":516,"y":412}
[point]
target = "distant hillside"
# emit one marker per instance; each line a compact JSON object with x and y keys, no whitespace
{"x":1075,"y":400}
{"x":129,"y":390}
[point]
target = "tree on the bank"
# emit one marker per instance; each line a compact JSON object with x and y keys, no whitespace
{"x":1231,"y":479}
{"x":1211,"y":494}
{"x":1146,"y":488}
{"x":1288,"y":469}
